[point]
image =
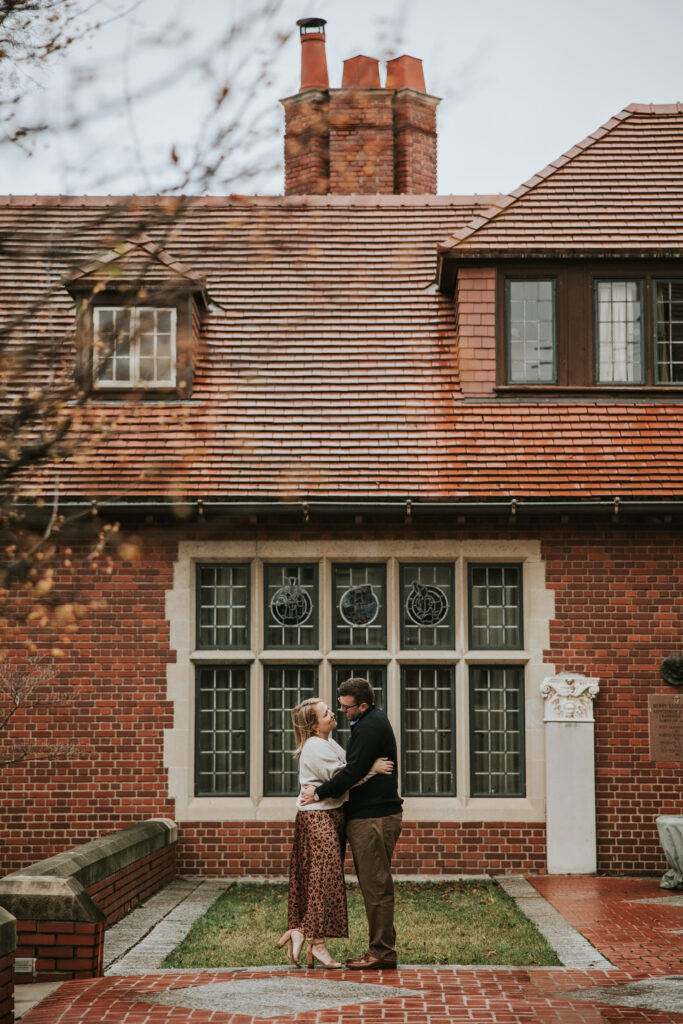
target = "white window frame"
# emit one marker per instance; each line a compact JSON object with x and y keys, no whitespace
{"x":134,"y":381}
{"x":538,"y":610}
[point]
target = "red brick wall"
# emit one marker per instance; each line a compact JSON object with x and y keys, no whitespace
{"x":619,"y":607}
{"x":425,"y":848}
{"x":62,"y":949}
{"x":119,"y":893}
{"x":7,"y":988}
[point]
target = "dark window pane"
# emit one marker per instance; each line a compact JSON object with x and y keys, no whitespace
{"x":497,"y":731}
{"x":222,"y":730}
{"x":428,"y":729}
{"x":223,"y":606}
{"x":285,"y":687}
{"x":376,"y":676}
{"x":495,"y":613}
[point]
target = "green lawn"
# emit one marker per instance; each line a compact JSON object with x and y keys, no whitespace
{"x":436,"y":923}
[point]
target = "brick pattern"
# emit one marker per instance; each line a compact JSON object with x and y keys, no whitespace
{"x":445,"y":995}
{"x":71,"y":949}
{"x":307,"y":144}
{"x":7,"y":988}
{"x":618,"y":608}
{"x":361,"y":142}
{"x":425,"y":848}
{"x":609,"y":912}
{"x":475,"y":308}
{"x":415,"y":161}
{"x":61,"y":949}
{"x":357,"y":141}
{"x":119,"y":893}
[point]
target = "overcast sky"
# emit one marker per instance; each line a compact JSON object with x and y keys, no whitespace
{"x":521,"y":81}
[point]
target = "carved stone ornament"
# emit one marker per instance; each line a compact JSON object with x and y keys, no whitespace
{"x":672,"y":670}
{"x":569,"y":697}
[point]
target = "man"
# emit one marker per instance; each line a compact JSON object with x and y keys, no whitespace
{"x":373,"y":817}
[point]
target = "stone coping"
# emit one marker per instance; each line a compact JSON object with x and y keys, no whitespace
{"x":55,"y":889}
{"x":8,"y":933}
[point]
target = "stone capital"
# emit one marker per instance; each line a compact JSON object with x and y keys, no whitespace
{"x":568,"y":697}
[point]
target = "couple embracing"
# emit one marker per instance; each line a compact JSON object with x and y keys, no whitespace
{"x":350,"y":796}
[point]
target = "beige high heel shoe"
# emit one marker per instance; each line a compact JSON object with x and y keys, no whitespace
{"x":319,"y":951}
{"x":294,"y":941}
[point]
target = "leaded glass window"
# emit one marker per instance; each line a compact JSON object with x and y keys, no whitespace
{"x":359,"y":606}
{"x":376,"y":675}
{"x":428,"y":730}
{"x":619,"y":332}
{"x":222,"y":730}
{"x":134,"y":347}
{"x":668,"y":312}
{"x":427,"y":606}
{"x":223,"y":606}
{"x":285,"y":687}
{"x":497,"y":730}
{"x":531,"y":332}
{"x":291,"y":606}
{"x":495,"y":607}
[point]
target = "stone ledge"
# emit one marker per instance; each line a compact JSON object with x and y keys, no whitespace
{"x":54,"y":889}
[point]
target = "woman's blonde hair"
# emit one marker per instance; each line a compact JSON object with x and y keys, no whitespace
{"x":304,"y":720}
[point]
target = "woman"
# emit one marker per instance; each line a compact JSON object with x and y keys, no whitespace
{"x":317,"y":893}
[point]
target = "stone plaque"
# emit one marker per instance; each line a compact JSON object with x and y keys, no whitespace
{"x":666,"y":726}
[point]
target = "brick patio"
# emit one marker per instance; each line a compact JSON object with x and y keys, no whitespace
{"x":642,"y":939}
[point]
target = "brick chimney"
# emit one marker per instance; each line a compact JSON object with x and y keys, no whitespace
{"x":362,"y":138}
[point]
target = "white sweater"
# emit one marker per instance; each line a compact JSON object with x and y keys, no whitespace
{"x":320,"y":760}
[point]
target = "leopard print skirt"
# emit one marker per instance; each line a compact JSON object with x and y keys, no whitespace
{"x":317,"y":894}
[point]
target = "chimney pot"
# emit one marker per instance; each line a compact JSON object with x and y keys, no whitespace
{"x":405,"y":73}
{"x":313,"y":56}
{"x":361,"y":73}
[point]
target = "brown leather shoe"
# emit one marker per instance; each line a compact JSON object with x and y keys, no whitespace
{"x":368,"y":962}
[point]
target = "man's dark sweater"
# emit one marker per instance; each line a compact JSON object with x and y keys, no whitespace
{"x":371,"y":737}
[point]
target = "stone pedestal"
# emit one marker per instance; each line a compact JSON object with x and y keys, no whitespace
{"x":570,"y":773}
{"x":670,"y":828}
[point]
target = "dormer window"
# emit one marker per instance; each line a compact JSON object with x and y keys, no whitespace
{"x":134,"y":347}
{"x":139,"y":323}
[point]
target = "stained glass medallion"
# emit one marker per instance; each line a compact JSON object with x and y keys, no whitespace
{"x":291,"y":593}
{"x":427,"y":606}
{"x":359,"y":602}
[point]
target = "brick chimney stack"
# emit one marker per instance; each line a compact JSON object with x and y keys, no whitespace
{"x":360,"y":139}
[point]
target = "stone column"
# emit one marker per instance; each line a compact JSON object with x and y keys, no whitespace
{"x":570,"y":773}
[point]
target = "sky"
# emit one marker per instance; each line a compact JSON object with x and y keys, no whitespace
{"x":133,"y":107}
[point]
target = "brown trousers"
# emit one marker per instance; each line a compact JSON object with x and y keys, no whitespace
{"x":372,"y":844}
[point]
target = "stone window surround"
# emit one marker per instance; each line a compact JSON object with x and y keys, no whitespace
{"x":538,"y":606}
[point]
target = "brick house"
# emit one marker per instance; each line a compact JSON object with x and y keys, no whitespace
{"x":365,"y":428}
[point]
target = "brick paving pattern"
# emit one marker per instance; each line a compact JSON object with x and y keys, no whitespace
{"x":642,"y":939}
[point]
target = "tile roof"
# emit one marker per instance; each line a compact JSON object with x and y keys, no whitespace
{"x":328,"y":366}
{"x":621,"y":189}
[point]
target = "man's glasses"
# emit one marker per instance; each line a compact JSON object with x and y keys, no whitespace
{"x":347,"y":707}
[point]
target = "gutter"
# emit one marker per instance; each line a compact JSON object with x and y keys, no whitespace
{"x":407,"y":508}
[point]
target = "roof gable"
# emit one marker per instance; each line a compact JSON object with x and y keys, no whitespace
{"x":138,"y":262}
{"x":620,"y":189}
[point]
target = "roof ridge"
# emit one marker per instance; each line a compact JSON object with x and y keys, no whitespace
{"x":237,"y":200}
{"x":454,"y":240}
